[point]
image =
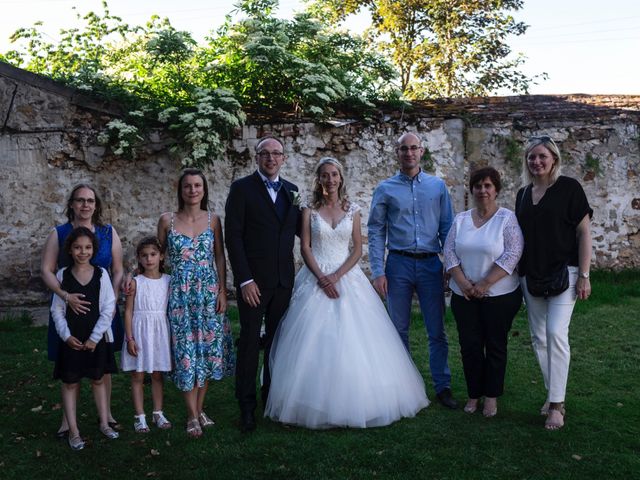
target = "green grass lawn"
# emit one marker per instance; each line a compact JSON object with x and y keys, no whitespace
{"x":601,"y":438}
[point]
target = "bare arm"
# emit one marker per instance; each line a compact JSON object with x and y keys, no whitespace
{"x":163,"y":229}
{"x":583,"y":232}
{"x":48,"y":268}
{"x":117,"y":268}
{"x":221,"y":264}
{"x":305,"y":245}
{"x":128,"y":320}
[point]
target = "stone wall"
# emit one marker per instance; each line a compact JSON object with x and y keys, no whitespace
{"x":48,"y":144}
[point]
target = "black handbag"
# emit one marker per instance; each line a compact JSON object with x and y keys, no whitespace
{"x":551,"y":285}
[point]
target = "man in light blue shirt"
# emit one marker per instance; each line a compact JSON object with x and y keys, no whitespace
{"x":411,"y":214}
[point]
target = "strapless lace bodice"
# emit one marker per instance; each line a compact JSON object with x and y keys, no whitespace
{"x":330,"y":246}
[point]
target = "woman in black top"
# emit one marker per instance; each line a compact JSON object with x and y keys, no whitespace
{"x":555,"y":218}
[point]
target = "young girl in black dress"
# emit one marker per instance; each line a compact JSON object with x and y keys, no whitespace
{"x":83,"y":350}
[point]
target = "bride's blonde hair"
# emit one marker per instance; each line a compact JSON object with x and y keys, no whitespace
{"x":317,"y":194}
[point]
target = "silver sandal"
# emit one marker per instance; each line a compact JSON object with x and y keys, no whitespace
{"x":110,"y":433}
{"x":76,"y":443}
{"x":205,"y":421}
{"x":160,"y":420}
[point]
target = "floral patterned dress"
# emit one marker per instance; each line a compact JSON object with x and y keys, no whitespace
{"x":201,"y":340}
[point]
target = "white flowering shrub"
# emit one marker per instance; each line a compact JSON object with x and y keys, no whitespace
{"x":199,"y":130}
{"x":121,"y":137}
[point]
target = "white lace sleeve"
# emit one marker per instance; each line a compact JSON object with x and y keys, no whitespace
{"x":450,"y":258}
{"x":513,"y":244}
{"x":353,"y":209}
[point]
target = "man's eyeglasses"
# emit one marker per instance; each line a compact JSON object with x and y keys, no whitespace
{"x":407,"y":148}
{"x":275,"y":155}
{"x":88,"y":201}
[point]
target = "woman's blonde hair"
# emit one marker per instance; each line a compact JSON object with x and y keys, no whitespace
{"x":317,"y":195}
{"x":547,"y":142}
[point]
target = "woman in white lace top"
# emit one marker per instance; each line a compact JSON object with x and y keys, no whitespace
{"x":481,"y":254}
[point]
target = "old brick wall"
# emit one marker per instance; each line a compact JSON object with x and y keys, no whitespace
{"x":48,"y":144}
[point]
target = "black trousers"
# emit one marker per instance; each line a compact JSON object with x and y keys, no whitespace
{"x":273,"y":304}
{"x":483,"y":328}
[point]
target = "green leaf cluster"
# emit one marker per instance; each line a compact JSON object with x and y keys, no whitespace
{"x":161,"y":76}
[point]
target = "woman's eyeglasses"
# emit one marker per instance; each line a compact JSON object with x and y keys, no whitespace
{"x":88,"y":201}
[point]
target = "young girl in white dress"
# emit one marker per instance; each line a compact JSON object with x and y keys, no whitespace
{"x":337,"y":360}
{"x":147,"y":345}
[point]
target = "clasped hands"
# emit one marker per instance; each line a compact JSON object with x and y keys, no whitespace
{"x":328,"y":285}
{"x":472,"y":290}
{"x":76,"y":344}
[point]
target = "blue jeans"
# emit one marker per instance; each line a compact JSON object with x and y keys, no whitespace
{"x":424,"y":276}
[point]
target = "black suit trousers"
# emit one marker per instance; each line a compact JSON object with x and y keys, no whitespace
{"x":273,"y":304}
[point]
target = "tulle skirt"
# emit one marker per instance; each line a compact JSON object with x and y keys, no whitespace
{"x":340,"y":362}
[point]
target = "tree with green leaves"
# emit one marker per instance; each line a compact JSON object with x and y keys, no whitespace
{"x":443,"y":48}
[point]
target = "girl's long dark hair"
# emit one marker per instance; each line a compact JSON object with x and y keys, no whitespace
{"x":75,"y":234}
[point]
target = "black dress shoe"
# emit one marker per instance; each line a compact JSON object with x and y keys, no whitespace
{"x":247,"y":422}
{"x":446,"y":399}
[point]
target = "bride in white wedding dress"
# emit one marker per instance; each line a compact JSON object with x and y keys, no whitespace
{"x":337,"y":360}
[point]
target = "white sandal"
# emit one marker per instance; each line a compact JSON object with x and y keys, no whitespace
{"x":161,"y":421}
{"x":140,"y":425}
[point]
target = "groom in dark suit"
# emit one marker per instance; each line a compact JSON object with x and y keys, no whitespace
{"x":261,"y":221}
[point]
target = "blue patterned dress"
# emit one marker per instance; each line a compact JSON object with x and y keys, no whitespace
{"x":201,"y":339}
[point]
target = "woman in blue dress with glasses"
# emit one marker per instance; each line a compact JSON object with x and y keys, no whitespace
{"x":84,"y":209}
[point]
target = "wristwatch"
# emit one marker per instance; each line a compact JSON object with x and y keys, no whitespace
{"x":584,"y":274}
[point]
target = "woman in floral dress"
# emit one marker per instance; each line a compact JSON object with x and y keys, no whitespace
{"x":200,"y":331}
